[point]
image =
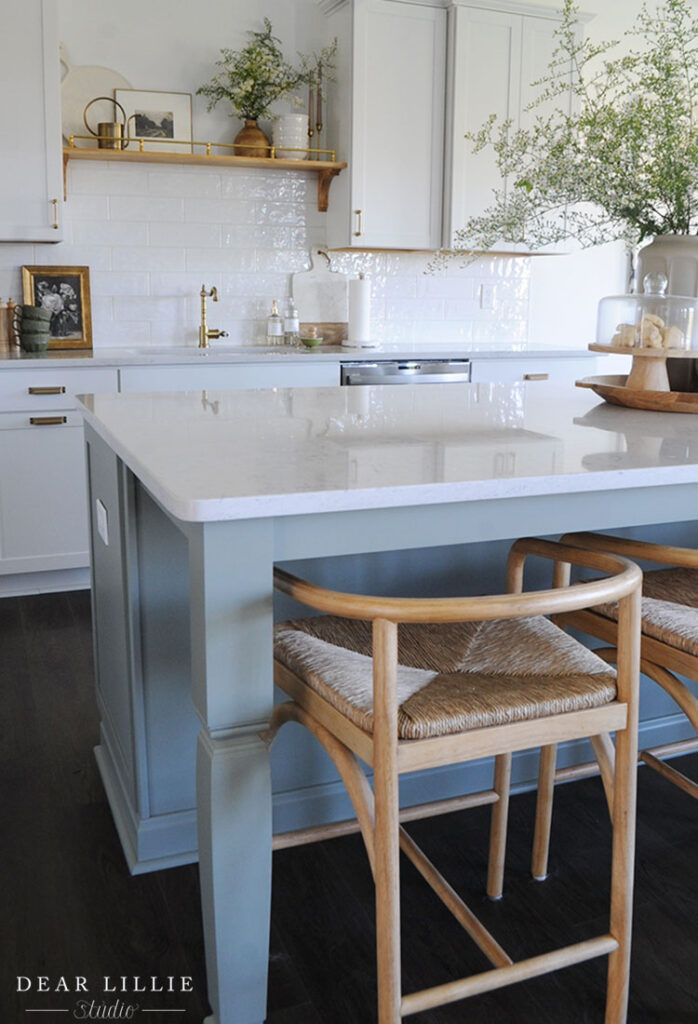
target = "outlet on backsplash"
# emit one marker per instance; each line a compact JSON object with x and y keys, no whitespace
{"x":486,"y":296}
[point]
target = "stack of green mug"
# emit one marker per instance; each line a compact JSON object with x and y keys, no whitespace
{"x":32,"y":325}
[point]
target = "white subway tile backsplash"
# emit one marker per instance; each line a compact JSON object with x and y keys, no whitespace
{"x":102,"y":308}
{"x":219,"y":260}
{"x":86,"y":207}
{"x":111,"y":232}
{"x":284,"y":260}
{"x":182,"y":283}
{"x":146,"y":208}
{"x":106,"y":179}
{"x":117,"y":283}
{"x":200,"y":235}
{"x":120,"y":333}
{"x":225,"y":212}
{"x":197,"y":182}
{"x":281,"y":213}
{"x":168,"y":332}
{"x":96,"y":257}
{"x":151,"y":235}
{"x":144,"y":258}
{"x":149,"y":307}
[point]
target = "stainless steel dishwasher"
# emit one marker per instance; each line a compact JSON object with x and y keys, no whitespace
{"x":406,"y":371}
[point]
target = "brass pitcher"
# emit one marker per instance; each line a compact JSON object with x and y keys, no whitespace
{"x":110,"y":134}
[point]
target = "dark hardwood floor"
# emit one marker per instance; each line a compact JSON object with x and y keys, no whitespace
{"x":70,"y":907}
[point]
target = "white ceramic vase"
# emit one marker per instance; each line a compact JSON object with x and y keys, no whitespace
{"x":290,"y":137}
{"x":675,"y":256}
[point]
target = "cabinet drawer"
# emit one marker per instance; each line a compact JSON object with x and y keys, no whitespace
{"x":52,"y":388}
{"x":222,"y":378}
{"x":506,"y":371}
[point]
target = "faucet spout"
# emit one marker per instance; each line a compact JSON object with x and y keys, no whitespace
{"x":206,"y":332}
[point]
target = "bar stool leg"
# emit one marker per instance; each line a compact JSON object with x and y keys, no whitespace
{"x":498,"y":828}
{"x":387,"y":828}
{"x":544,"y":812}
{"x":624,"y":809}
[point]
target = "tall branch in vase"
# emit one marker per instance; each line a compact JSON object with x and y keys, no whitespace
{"x":316,"y":69}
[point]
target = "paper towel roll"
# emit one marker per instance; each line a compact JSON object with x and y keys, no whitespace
{"x":359,"y":332}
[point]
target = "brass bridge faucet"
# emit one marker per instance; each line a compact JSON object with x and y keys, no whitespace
{"x":206,"y":332}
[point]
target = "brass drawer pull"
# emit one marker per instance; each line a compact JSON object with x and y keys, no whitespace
{"x":536,"y":376}
{"x":46,"y":391}
{"x":47,"y":421}
{"x":359,"y":223}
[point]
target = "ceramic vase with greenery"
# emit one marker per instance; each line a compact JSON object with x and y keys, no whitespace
{"x":251,"y":80}
{"x":623,"y":164}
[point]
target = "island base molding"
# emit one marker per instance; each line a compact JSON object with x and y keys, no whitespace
{"x":169,"y":840}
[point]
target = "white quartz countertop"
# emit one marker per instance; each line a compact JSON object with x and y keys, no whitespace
{"x":188,"y":354}
{"x":247,"y":454}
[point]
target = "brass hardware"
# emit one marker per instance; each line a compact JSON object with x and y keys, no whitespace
{"x":46,"y":391}
{"x":536,"y":376}
{"x":47,"y":421}
{"x":359,"y":230}
{"x":206,"y":332}
{"x":54,"y":203}
{"x":102,"y":141}
{"x":109,"y":134}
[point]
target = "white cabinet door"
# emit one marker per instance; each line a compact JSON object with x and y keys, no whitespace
{"x":387,"y":119}
{"x":43,"y":496}
{"x":30,"y":124}
{"x":494,"y":58}
{"x":229,"y":377}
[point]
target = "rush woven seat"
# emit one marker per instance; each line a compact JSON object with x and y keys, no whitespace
{"x":668,"y":650}
{"x":669,"y":608}
{"x":405,"y":684}
{"x":450,"y":676}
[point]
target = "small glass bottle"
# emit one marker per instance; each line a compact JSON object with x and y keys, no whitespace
{"x":291,"y":324}
{"x":275,"y":326}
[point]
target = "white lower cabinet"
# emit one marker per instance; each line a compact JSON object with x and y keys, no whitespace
{"x":566,"y":369}
{"x":229,"y":378}
{"x":43,"y":501}
{"x":43,"y":494}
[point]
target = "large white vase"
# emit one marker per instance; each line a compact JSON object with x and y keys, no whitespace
{"x":675,"y":256}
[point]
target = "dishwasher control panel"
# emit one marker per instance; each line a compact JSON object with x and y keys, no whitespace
{"x":406,"y":371}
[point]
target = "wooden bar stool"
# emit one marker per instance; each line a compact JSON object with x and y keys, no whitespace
{"x":463,"y":679}
{"x":668,"y":645}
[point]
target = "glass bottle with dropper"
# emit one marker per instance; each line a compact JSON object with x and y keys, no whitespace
{"x":275,"y":326}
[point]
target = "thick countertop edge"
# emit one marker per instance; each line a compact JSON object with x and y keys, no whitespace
{"x":212,"y":509}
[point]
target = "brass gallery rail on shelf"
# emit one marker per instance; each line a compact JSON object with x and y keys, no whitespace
{"x":325,"y":169}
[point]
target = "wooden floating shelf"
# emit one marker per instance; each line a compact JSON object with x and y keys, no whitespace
{"x":325,"y":169}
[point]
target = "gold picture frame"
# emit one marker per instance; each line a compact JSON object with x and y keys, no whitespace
{"x":66,"y":292}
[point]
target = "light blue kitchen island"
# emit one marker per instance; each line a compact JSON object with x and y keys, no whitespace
{"x":195,"y":496}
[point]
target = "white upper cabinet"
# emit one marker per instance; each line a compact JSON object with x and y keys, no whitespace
{"x":386,"y":118}
{"x":30,"y":124}
{"x":496,"y":52}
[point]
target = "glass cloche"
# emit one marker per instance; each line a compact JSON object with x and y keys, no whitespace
{"x":649,"y":320}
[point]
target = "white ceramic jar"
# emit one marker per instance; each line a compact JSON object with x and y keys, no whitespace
{"x":290,"y":136}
